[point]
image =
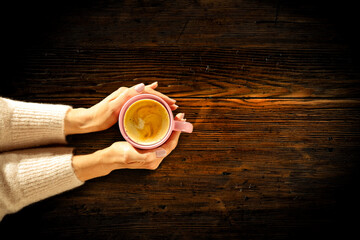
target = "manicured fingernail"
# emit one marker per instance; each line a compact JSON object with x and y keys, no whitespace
{"x":140,"y":87}
{"x":160,"y":153}
{"x":182,"y":115}
{"x":176,"y":106}
{"x":154,"y":83}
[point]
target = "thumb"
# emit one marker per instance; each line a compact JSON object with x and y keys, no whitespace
{"x":120,"y":100}
{"x":161,"y":152}
{"x":171,"y":143}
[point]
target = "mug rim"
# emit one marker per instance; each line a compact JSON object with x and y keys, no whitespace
{"x":132,"y":101}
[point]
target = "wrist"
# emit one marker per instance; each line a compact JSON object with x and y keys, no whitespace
{"x":77,"y":121}
{"x":90,"y":166}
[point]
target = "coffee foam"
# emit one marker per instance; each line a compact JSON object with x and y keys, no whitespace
{"x":146,"y":122}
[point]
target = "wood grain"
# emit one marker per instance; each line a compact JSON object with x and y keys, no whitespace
{"x":270,"y":86}
{"x":220,"y":73}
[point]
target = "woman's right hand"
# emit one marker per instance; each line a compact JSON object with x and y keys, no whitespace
{"x":122,"y":155}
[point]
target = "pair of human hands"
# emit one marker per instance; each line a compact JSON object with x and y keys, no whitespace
{"x":119,"y":155}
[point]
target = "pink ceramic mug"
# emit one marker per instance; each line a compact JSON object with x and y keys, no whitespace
{"x":173,"y":126}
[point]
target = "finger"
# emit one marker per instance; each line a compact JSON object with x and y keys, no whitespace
{"x":139,"y":87}
{"x":161,"y":152}
{"x":180,"y":116}
{"x":168,"y":100}
{"x":174,"y":107}
{"x":123,"y":97}
{"x":153,"y":85}
{"x":153,"y":158}
{"x":147,"y":159}
{"x":116,"y":93}
{"x":152,"y":154}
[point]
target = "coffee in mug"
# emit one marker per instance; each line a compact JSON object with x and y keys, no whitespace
{"x":146,"y":122}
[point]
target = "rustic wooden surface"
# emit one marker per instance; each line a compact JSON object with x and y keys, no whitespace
{"x":272,"y":88}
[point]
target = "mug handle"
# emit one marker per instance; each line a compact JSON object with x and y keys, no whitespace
{"x":183,"y":126}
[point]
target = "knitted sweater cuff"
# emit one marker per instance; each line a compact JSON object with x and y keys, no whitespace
{"x":31,"y":175}
{"x":35,"y":124}
{"x":45,"y":173}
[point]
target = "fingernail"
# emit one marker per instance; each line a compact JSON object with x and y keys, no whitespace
{"x":140,"y":87}
{"x":160,"y":153}
{"x":182,"y":115}
{"x":176,"y":106}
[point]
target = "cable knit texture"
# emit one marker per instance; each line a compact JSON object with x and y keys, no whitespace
{"x":30,"y":175}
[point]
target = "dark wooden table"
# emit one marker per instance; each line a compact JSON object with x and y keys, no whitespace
{"x":272,"y":88}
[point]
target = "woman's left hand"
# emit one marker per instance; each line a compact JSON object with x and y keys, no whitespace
{"x":104,"y":114}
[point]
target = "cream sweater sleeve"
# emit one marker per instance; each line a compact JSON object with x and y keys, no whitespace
{"x":24,"y":124}
{"x":29,"y":175}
